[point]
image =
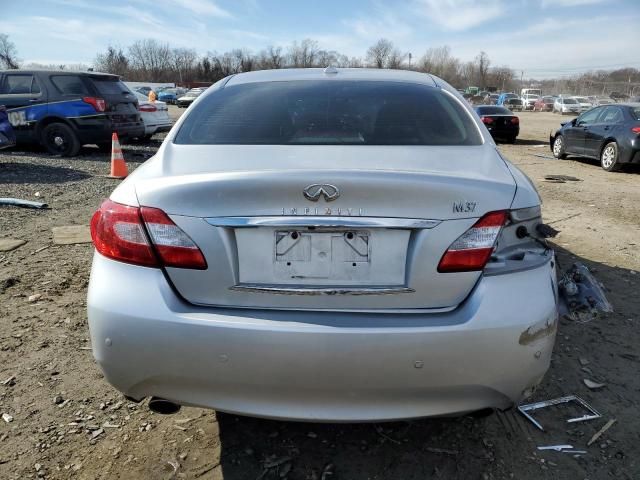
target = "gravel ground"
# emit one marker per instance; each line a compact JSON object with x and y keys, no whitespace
{"x":67,"y":422}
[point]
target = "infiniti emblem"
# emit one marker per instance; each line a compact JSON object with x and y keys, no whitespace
{"x":317,"y":190}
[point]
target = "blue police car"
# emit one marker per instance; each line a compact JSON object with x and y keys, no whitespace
{"x":7,"y":137}
{"x":64,"y":110}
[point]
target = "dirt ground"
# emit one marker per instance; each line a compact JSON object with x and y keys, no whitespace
{"x":68,"y":422}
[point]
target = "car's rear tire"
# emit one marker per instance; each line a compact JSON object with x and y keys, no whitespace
{"x":511,"y":140}
{"x":559,"y":148}
{"x":609,"y":157}
{"x":60,"y":139}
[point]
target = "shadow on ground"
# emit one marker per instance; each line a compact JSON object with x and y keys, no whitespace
{"x":626,"y":167}
{"x":15,"y":172}
{"x":526,"y":141}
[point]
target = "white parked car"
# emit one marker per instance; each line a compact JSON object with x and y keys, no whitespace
{"x":324,"y":245}
{"x":188,"y":98}
{"x":155,"y":116}
{"x":564,"y":105}
{"x":585,"y":103}
{"x":529,"y":100}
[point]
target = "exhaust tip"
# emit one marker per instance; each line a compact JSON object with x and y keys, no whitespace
{"x":162,"y":406}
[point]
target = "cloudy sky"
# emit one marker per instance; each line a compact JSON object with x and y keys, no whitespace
{"x":540,"y":37}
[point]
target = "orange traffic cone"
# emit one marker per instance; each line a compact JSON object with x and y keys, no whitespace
{"x":118,"y":166}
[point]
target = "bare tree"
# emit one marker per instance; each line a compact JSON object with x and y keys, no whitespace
{"x":151,"y":58}
{"x":112,"y":61}
{"x":8,"y":53}
{"x":482,"y":63}
{"x":271,"y":58}
{"x":501,"y":77}
{"x":439,"y":61}
{"x":183,"y":62}
{"x":304,"y":54}
{"x":396,"y":59}
{"x":379,"y":53}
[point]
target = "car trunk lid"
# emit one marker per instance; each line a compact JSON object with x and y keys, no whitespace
{"x":121,"y":106}
{"x":376,"y":245}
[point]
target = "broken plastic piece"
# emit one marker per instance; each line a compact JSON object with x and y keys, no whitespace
{"x":22,"y":203}
{"x":592,"y":415}
{"x":582,"y":295}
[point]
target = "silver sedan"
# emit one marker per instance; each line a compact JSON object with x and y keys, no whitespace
{"x":324,"y":245}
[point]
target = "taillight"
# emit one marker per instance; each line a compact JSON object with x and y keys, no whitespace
{"x":147,"y":108}
{"x":636,"y":130}
{"x":486,"y":120}
{"x":98,"y":103}
{"x":174,"y":247}
{"x":120,"y":232}
{"x":515,"y":120}
{"x":117,"y":232}
{"x":472,"y":250}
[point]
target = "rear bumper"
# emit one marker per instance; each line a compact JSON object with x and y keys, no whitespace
{"x":157,"y":128}
{"x":504,"y":132}
{"x":98,"y":129}
{"x":488,"y":353}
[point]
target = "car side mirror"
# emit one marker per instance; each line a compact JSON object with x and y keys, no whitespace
{"x":574,"y":122}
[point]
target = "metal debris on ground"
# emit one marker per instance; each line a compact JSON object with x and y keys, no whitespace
{"x":599,"y":433}
{"x":561,"y":178}
{"x":557,"y":448}
{"x":548,"y":157}
{"x":582,"y":295}
{"x":18,"y":202}
{"x":592,"y":415}
{"x":71,"y":234}
{"x":593,"y":385}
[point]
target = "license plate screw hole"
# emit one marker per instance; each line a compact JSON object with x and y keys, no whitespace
{"x":294,"y":235}
{"x":350,"y":235}
{"x":288,"y":264}
{"x":354,"y":264}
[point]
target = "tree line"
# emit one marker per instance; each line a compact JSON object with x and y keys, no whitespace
{"x":149,"y":60}
{"x":153,"y":61}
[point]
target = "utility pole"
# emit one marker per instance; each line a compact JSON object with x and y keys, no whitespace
{"x":521,"y":81}
{"x":409,"y":60}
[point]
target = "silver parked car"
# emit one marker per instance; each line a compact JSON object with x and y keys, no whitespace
{"x":324,"y":245}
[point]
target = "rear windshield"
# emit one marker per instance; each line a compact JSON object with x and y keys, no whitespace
{"x":107,"y":86}
{"x":569,"y":100}
{"x":329,"y":113}
{"x":493,"y":111}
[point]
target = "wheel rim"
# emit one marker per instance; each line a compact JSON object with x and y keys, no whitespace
{"x":57,"y":139}
{"x":557,"y":146}
{"x":608,"y":156}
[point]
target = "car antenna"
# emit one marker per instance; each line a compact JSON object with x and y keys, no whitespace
{"x":330,"y":70}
